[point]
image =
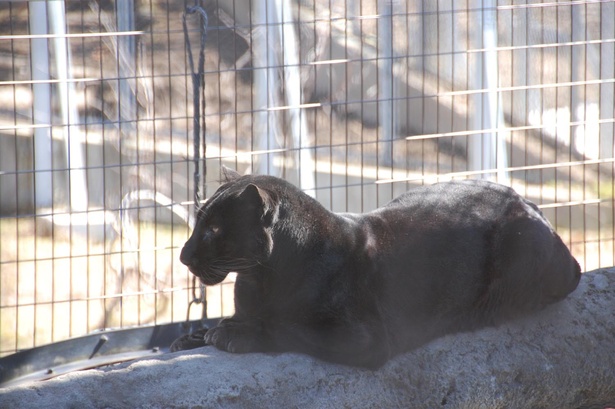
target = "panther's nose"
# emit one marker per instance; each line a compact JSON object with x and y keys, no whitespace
{"x":186,"y":256}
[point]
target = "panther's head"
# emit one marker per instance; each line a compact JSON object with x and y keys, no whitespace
{"x":232,"y":231}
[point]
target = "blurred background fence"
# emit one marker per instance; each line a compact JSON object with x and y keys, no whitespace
{"x":355,"y":101}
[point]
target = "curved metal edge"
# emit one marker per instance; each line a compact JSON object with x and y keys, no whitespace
{"x":100,"y":348}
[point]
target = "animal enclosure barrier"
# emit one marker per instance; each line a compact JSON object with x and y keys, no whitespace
{"x":355,"y":101}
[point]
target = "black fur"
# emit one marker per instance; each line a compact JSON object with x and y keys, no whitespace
{"x":359,"y":289}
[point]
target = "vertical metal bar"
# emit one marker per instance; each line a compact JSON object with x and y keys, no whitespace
{"x":350,"y":29}
{"x":41,"y":118}
{"x":292,"y":93}
{"x":494,"y":150}
{"x":41,"y":106}
{"x":362,"y":110}
{"x":607,"y":130}
{"x":15,"y":293}
{"x":423,"y":45}
{"x":607,"y":70}
{"x":265,"y":84}
{"x":488,"y":106}
{"x":125,"y":17}
{"x":261,"y":81}
{"x":331,"y":87}
{"x":486,"y":151}
{"x":577,"y":96}
{"x":385,"y":84}
{"x":70,"y":116}
{"x":151,"y":115}
{"x":475,"y":70}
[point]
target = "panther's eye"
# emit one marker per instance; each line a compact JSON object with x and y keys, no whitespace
{"x":211,"y":231}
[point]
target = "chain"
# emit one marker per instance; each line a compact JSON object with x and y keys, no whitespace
{"x":198,"y":87}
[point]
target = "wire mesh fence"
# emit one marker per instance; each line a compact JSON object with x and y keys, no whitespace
{"x":355,"y":101}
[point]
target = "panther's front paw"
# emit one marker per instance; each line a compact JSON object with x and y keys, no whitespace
{"x":189,"y":341}
{"x":235,"y":337}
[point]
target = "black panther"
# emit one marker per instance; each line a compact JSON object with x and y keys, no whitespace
{"x":358,"y":289}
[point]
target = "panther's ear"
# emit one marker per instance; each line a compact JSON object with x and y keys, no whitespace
{"x":261,"y":201}
{"x":229,"y":174}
